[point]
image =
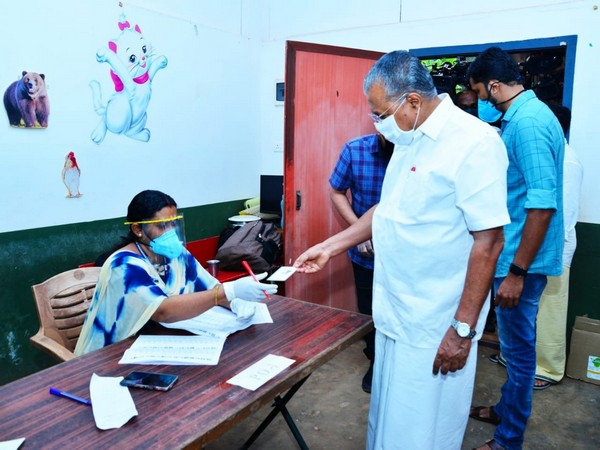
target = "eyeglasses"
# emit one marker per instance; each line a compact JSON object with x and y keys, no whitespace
{"x":378,"y":118}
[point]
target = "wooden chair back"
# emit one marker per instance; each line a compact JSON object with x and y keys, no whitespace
{"x":62,"y":304}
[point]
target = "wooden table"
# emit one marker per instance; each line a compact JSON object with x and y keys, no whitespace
{"x":201,"y":405}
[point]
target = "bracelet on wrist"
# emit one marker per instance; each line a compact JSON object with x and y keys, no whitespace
{"x":217,"y":295}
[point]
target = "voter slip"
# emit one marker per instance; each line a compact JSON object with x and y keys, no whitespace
{"x":261,"y":371}
{"x":282,"y":274}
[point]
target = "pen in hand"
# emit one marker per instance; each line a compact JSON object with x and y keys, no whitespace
{"x":70,"y":396}
{"x":249,"y":270}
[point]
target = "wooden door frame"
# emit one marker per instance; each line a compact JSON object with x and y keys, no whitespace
{"x":296,"y":52}
{"x":292,"y":48}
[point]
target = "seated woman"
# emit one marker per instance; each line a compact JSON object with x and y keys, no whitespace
{"x":153,"y":277}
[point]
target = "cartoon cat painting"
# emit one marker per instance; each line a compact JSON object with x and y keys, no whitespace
{"x":133,"y":67}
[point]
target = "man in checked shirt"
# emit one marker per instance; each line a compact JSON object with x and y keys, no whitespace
{"x":361,"y":168}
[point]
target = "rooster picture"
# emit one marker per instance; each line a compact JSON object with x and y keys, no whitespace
{"x":70,"y":176}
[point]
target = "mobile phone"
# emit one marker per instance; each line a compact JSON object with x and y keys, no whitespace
{"x":149,"y":380}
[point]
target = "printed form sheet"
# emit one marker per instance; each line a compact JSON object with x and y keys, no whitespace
{"x":211,"y":330}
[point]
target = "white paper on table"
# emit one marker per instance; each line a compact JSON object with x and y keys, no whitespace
{"x":13,"y":444}
{"x":221,"y":322}
{"x":282,"y":274}
{"x":261,"y":371}
{"x":174,"y":350}
{"x":262,"y":315}
{"x":112,"y":404}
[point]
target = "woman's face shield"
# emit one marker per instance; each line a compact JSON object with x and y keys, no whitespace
{"x":155,"y":228}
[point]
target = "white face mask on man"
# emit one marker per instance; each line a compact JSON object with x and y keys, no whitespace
{"x":392,"y":132}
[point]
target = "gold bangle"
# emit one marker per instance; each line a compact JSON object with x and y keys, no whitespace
{"x":217,"y":295}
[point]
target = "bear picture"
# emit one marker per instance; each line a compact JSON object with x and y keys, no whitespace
{"x":26,"y":101}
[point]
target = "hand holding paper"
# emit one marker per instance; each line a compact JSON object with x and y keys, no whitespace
{"x":243,"y":309}
{"x":282,"y":274}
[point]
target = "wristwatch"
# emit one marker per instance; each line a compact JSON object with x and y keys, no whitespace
{"x":517,"y":270}
{"x":463,"y":329}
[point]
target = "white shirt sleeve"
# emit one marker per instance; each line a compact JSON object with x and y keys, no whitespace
{"x":572,"y":179}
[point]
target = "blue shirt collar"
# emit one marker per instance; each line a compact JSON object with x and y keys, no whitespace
{"x":519,"y":101}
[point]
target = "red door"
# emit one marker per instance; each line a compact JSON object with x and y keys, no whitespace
{"x":325,"y":106}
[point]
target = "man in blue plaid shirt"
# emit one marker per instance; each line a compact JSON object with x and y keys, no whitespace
{"x":533,"y":240}
{"x":361,"y":168}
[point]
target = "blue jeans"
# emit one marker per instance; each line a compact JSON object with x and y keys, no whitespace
{"x":516,"y":332}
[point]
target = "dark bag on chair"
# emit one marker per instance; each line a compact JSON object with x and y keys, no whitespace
{"x":258,"y":243}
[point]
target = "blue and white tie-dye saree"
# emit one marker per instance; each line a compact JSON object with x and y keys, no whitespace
{"x":130,"y":290}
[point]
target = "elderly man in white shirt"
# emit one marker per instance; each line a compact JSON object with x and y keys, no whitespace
{"x":437,"y":232}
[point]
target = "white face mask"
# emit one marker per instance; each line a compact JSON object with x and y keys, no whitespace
{"x":392,"y":132}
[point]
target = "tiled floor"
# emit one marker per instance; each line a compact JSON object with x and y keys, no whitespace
{"x":331,"y":411}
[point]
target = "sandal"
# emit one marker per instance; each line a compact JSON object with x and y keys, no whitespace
{"x":544,"y":383}
{"x":484,"y":414}
{"x":498,"y":359}
{"x":491,"y":444}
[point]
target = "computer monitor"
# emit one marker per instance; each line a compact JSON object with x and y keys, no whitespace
{"x":271,"y":193}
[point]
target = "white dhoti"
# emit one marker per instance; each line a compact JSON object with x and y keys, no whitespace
{"x":551,"y":342}
{"x":413,"y":409}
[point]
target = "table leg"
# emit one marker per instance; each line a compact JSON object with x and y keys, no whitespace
{"x":279,"y":407}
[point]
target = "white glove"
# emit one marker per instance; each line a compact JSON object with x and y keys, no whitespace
{"x":248,"y":289}
{"x":243,"y":310}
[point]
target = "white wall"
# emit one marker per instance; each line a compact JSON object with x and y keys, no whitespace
{"x":388,"y":25}
{"x":203,"y":118}
{"x":214,"y":122}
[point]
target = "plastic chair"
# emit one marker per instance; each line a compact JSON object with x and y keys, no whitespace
{"x":62,"y":304}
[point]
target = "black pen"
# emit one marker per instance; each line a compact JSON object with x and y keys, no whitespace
{"x":70,"y":396}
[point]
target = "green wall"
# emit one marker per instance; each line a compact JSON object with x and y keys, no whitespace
{"x":584,"y":285}
{"x":31,"y":256}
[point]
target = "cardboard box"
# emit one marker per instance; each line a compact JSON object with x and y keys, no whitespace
{"x":584,"y":356}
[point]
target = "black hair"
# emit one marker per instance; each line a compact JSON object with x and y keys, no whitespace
{"x":494,"y":64}
{"x":142,"y":207}
{"x":563,"y":114}
{"x":147,"y":203}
